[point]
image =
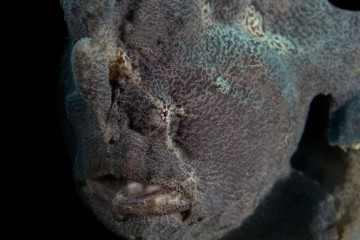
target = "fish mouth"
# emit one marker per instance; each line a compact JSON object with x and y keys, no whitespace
{"x":124,"y":196}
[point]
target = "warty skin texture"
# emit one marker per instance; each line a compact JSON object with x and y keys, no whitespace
{"x":235,"y":79}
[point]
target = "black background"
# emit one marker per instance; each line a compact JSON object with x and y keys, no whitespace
{"x":55,"y":209}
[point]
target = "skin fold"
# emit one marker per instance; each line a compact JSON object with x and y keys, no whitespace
{"x":204,"y":103}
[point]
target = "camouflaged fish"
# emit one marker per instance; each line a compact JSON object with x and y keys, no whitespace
{"x":187,"y":112}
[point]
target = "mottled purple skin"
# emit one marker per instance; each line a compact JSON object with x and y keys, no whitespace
{"x":238,"y":92}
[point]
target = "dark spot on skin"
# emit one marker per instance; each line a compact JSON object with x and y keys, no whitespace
{"x":185,"y":214}
{"x":112,"y":141}
{"x":159,"y":41}
{"x":130,"y":15}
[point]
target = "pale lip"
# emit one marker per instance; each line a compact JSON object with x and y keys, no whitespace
{"x":129,"y":197}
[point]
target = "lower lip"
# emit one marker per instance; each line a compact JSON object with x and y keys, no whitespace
{"x":158,"y":203}
{"x":124,"y":200}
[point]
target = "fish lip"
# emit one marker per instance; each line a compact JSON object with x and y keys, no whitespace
{"x":111,"y":191}
{"x":158,"y":203}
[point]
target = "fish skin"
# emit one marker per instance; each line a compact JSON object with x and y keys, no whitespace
{"x":236,"y":79}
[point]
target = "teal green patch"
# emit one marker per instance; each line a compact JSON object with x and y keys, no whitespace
{"x":222,"y":85}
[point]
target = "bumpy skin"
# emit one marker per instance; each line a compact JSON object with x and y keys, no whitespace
{"x":237,"y":78}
